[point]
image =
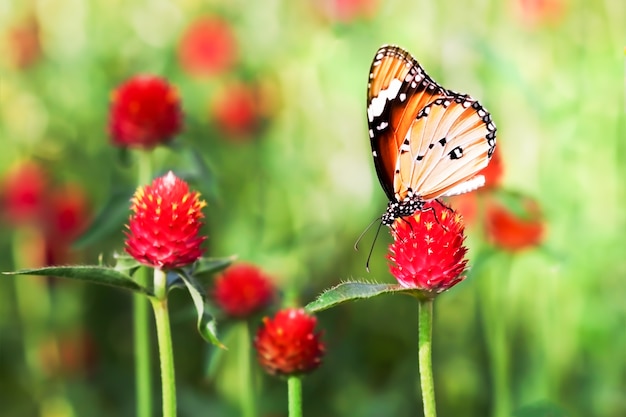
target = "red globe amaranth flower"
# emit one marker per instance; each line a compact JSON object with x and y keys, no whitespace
{"x":347,"y":10}
{"x":24,"y":195}
{"x":163,"y":230}
{"x":145,"y":112}
{"x":243,"y":290}
{"x":534,"y":12}
{"x":236,"y":110}
{"x":428,"y":253}
{"x":467,"y":204}
{"x":67,"y":218}
{"x":512,"y":232}
{"x":207,"y":47}
{"x":287,"y":344}
{"x":73,"y":353}
{"x":24,"y":43}
{"x":493,"y":172}
{"x":68,"y":212}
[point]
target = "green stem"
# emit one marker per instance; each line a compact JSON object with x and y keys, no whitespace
{"x":141,"y":318}
{"x":294,"y":388}
{"x":425,"y":357}
{"x":143,"y":372}
{"x":248,"y":399}
{"x":166,"y":353}
{"x":494,"y":322}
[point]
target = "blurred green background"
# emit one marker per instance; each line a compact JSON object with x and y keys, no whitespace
{"x":541,"y":332}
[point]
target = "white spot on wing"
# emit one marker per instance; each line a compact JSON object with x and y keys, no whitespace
{"x":467,"y":186}
{"x":377,"y":105}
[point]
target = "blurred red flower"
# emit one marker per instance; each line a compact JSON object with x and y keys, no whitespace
{"x":163,"y":229}
{"x":243,"y":290}
{"x":427,"y":252}
{"x":68,"y":216}
{"x":287,"y":345}
{"x":347,"y":10}
{"x":467,"y":204}
{"x":207,"y":47}
{"x":24,"y":43}
{"x":71,"y":353}
{"x":514,"y":232}
{"x":238,"y":110}
{"x":23,"y":193}
{"x":145,"y":112}
{"x":535,"y":12}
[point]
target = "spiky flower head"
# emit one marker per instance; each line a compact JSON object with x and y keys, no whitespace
{"x":427,"y":252}
{"x":163,"y":229}
{"x":145,"y":112}
{"x":287,"y":345}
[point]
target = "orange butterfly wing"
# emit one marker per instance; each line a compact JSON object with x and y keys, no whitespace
{"x":398,"y":88}
{"x":426,"y":140}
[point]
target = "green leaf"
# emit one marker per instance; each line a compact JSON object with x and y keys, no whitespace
{"x":207,"y":326}
{"x":354,"y":290}
{"x":212,"y":265}
{"x":88,"y":273}
{"x":108,"y":221}
{"x":126,"y":263}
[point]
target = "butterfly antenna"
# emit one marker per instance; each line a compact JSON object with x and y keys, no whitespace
{"x":369,"y":226}
{"x":369,"y":255}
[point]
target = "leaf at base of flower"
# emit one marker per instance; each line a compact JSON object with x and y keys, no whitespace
{"x":355,"y":290}
{"x":212,"y":265}
{"x":88,"y":273}
{"x":207,"y":327}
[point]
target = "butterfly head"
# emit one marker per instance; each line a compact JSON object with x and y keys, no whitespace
{"x":404,"y":208}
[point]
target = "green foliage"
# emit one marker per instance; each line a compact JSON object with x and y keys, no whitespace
{"x":543,"y":324}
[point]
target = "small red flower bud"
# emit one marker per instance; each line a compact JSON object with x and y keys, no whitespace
{"x":513,"y":232}
{"x":163,"y":229}
{"x":428,"y":252}
{"x":207,"y":47}
{"x":287,"y":344}
{"x":145,"y":112}
{"x":243,"y":290}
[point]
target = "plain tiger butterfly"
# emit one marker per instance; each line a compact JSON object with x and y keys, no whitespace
{"x":427,"y":142}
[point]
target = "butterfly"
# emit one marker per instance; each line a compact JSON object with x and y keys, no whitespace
{"x":427,"y":141}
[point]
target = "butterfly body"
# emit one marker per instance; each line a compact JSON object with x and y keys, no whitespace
{"x":427,"y":141}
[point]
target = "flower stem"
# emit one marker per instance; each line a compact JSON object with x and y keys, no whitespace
{"x":494,"y":320}
{"x":248,"y":398}
{"x":166,"y":354}
{"x":141,"y":318}
{"x":425,"y":357}
{"x":143,"y":373}
{"x":294,"y":388}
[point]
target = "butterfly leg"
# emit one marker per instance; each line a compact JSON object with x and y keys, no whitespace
{"x":431,"y":208}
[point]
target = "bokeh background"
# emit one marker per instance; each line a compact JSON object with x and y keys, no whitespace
{"x":273,"y":94}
